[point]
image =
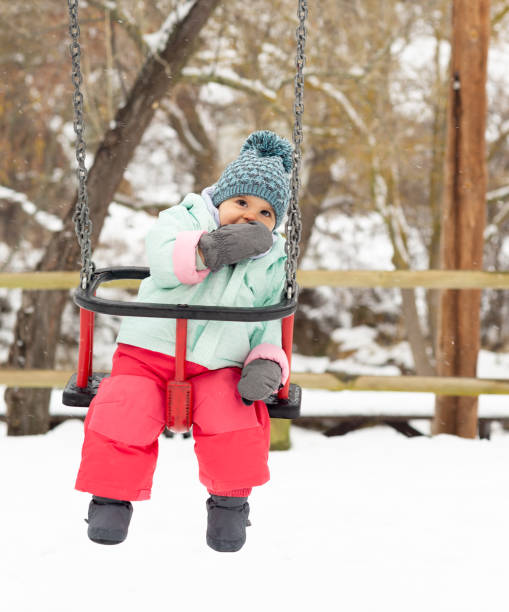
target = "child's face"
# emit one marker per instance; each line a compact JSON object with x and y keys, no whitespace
{"x":245,"y":208}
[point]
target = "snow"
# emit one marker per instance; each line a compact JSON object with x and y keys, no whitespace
{"x":230,"y":76}
{"x":47,"y":220}
{"x":497,"y":194}
{"x":123,"y":226}
{"x":497,"y":66}
{"x":346,"y":105}
{"x":151,"y":174}
{"x":368,"y":521}
{"x":349,"y":252}
{"x":371,"y":520}
{"x":156,"y":41}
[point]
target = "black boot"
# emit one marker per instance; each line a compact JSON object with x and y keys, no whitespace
{"x":108,"y":520}
{"x":227,"y":522}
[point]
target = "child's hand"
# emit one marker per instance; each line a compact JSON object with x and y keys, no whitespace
{"x":260,"y":378}
{"x":230,"y":244}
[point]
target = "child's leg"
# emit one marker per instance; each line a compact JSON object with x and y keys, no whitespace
{"x":232,"y":446}
{"x":116,"y":470}
{"x":231,"y":439}
{"x":122,"y":426}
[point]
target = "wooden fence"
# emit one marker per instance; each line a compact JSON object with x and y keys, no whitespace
{"x":402,"y":279}
{"x":329,"y":380}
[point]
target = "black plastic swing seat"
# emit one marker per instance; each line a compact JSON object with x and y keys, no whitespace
{"x":86,"y":298}
{"x":285,"y":408}
{"x":278,"y":408}
{"x":79,"y":396}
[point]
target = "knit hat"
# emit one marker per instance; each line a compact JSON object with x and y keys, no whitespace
{"x":262,"y":169}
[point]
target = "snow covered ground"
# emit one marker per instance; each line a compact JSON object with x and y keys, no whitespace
{"x":369,"y":521}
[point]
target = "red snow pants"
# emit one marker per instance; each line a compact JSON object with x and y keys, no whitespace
{"x":127,"y":416}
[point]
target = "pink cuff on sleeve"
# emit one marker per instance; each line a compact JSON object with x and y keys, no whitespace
{"x":184,"y":258}
{"x":274,"y":353}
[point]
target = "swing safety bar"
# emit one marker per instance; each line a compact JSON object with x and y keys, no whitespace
{"x":86,"y":298}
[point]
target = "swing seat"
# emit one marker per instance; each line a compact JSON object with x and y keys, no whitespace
{"x":82,"y":396}
{"x":180,"y":412}
{"x":179,"y":399}
{"x":284,"y":405}
{"x":285,"y":408}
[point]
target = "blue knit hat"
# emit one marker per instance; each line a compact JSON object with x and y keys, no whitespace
{"x":262,"y":169}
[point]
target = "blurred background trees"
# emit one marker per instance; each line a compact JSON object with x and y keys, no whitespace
{"x":376,"y":82}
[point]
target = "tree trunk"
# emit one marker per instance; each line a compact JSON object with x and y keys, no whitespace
{"x":38,"y":322}
{"x":317,"y":186}
{"x":194,"y":136}
{"x":416,"y":339}
{"x":398,"y":235}
{"x":464,"y":211}
{"x":314,"y":193}
{"x":436,"y":187}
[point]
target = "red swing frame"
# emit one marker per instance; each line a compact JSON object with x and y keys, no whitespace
{"x":179,"y":401}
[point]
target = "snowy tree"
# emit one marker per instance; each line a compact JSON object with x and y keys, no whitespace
{"x":28,"y":408}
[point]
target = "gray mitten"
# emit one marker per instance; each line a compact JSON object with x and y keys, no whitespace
{"x":260,"y":378}
{"x":230,"y":244}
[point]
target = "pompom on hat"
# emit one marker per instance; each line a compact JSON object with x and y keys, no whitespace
{"x":262,"y":169}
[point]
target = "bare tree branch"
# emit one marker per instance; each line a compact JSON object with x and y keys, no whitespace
{"x":131,"y":28}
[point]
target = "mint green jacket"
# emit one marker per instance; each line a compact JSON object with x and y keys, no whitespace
{"x":253,"y":282}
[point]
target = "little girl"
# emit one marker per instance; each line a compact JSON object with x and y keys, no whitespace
{"x":221,"y":249}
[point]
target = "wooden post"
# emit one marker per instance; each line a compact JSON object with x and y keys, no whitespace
{"x":463,"y":217}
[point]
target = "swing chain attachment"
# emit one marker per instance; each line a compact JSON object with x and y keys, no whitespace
{"x":293,"y":226}
{"x":81,"y":216}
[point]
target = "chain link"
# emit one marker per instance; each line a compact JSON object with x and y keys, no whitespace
{"x":293,"y":225}
{"x":81,"y":216}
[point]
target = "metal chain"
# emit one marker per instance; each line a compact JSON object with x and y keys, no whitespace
{"x":81,"y":217}
{"x":293,"y":225}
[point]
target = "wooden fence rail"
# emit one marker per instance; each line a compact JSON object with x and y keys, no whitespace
{"x":403,"y":279}
{"x":329,"y":380}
